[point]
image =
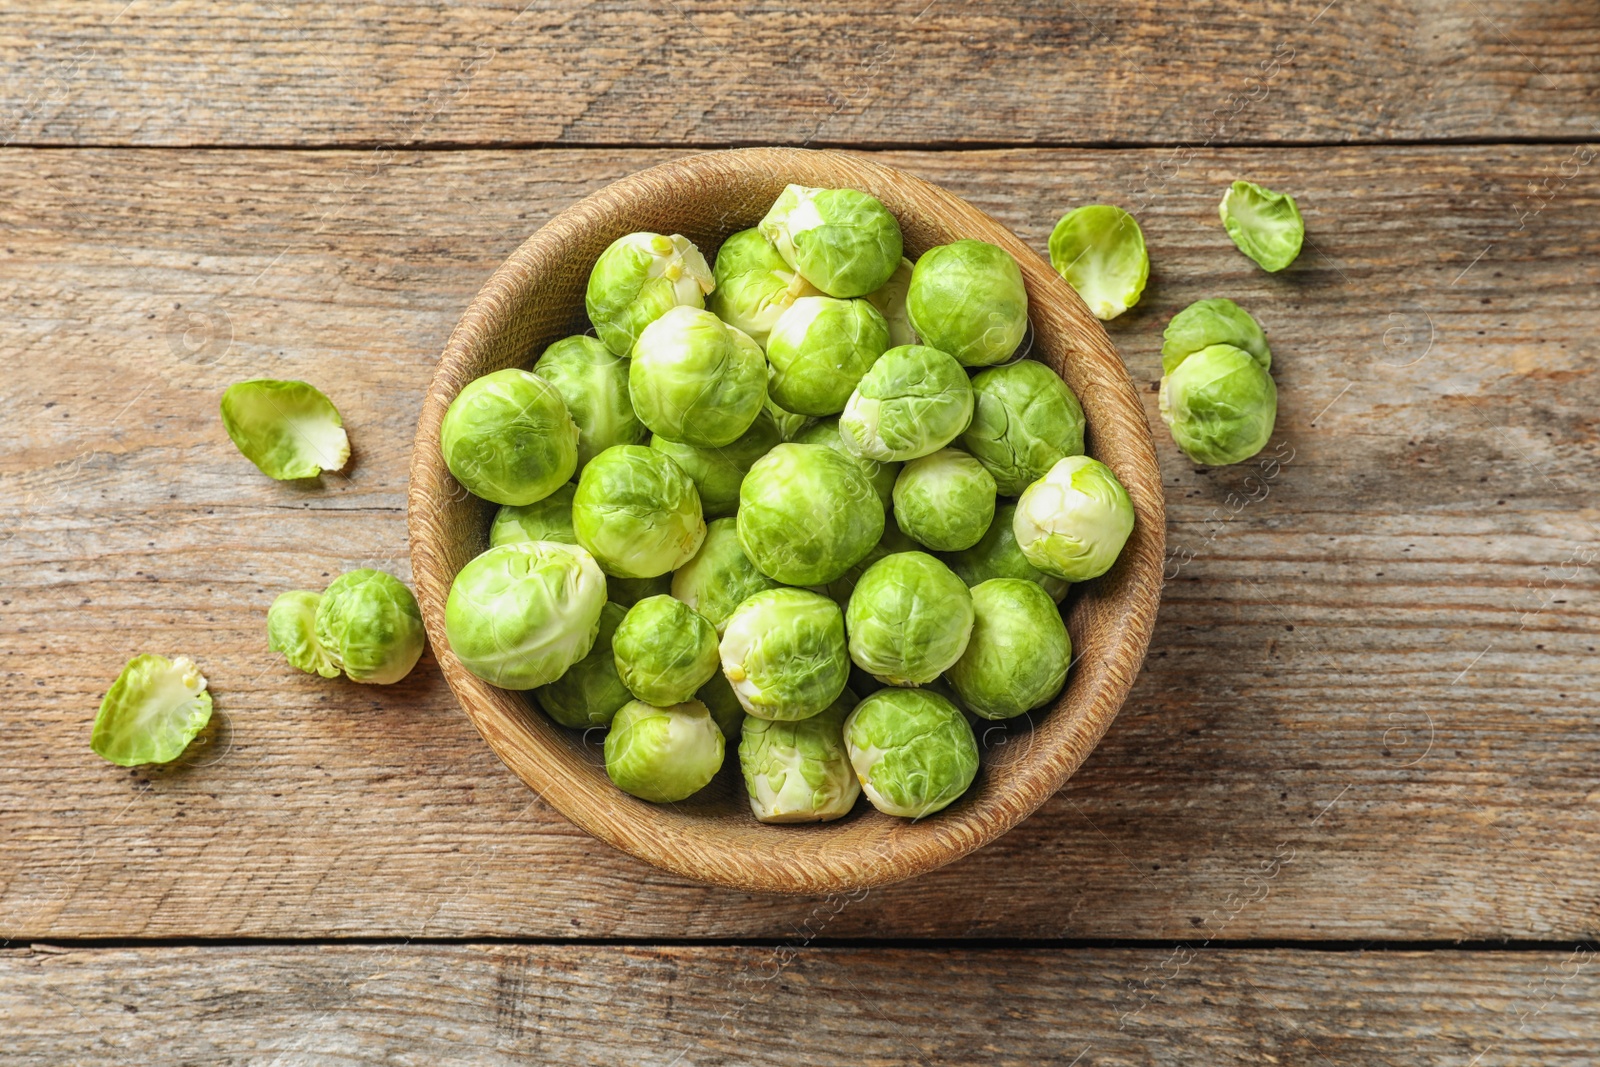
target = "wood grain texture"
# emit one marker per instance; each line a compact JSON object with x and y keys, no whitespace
{"x":725,"y":72}
{"x":1370,"y":700}
{"x":536,"y":298}
{"x":506,"y":1004}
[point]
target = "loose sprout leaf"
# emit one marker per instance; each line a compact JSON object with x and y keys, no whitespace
{"x":1265,"y":225}
{"x":291,"y":629}
{"x":1204,"y":323}
{"x":1099,"y":249}
{"x":152,"y":711}
{"x":288,"y":429}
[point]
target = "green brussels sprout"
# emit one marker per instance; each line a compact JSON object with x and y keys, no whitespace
{"x":1099,"y":249}
{"x":890,"y":300}
{"x":893,"y":541}
{"x":755,"y":285}
{"x":914,"y":400}
{"x":519,"y":615}
{"x":1219,"y":404}
{"x":590,"y":692}
{"x":718,"y":697}
{"x":720,"y":576}
{"x":292,"y":630}
{"x":783,"y":651}
{"x":1212,"y":322}
{"x":968,"y":299}
{"x":638,"y":279}
{"x":944,"y":501}
{"x":1265,"y":225}
{"x":370,"y":627}
{"x":695,"y":380}
{"x":637,"y":512}
{"x":663,"y":755}
{"x":799,"y":771}
{"x":908,"y":619}
{"x":665,"y":650}
{"x":1024,"y":419}
{"x":508,"y":437}
{"x":718,"y":472}
{"x":881,"y":475}
{"x":789,"y":424}
{"x":819,"y":350}
{"x":287,"y":429}
{"x":806,"y":513}
{"x":151,"y":712}
{"x":1073,"y":522}
{"x":629,"y":591}
{"x":842,"y":241}
{"x":593,"y":381}
{"x":549,"y":519}
{"x":912,"y":751}
{"x":1019,"y":652}
{"x":996,"y":555}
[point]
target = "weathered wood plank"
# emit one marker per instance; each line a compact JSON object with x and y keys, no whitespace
{"x":718,"y":72}
{"x":1368,"y":709}
{"x":507,"y":1004}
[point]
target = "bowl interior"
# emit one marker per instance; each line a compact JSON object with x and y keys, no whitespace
{"x":536,"y":298}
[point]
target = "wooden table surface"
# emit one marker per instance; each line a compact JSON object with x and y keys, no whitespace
{"x":1351,"y":812}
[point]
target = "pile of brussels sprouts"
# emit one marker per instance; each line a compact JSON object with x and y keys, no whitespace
{"x":810,"y":500}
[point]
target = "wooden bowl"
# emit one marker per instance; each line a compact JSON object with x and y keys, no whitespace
{"x":536,"y":297}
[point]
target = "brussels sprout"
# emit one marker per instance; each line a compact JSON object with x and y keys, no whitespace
{"x":806,"y":513}
{"x":549,"y":519}
{"x":593,"y":381}
{"x":508,"y":437}
{"x":1265,"y":225}
{"x":914,"y":400}
{"x":640,"y":278}
{"x":1219,"y":404}
{"x":694,"y":379}
{"x":1019,"y":652}
{"x":783,"y":651}
{"x":292,"y":630}
{"x":754,"y":285}
{"x":908,"y":619}
{"x":1073,"y":522}
{"x":665,"y":650}
{"x":799,"y":771}
{"x":842,"y":241}
{"x":1099,"y":250}
{"x":881,"y":475}
{"x":718,"y":472}
{"x":789,"y":424}
{"x":519,"y":615}
{"x":1024,"y":419}
{"x":629,"y":591}
{"x":718,"y":697}
{"x":590,"y":692}
{"x":944,"y":501}
{"x":720,"y":576}
{"x":890,"y":300}
{"x":369,"y":626}
{"x":1212,"y":322}
{"x":968,"y":299}
{"x":997,"y":556}
{"x":637,"y":512}
{"x":819,"y":350}
{"x":663,"y":755}
{"x":893,"y":541}
{"x":151,"y":712}
{"x":287,"y":429}
{"x":912,"y":750}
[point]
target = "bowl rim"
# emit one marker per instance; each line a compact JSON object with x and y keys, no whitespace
{"x":534,"y":748}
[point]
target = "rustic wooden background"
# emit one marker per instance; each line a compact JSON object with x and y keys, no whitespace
{"x":1350,"y":814}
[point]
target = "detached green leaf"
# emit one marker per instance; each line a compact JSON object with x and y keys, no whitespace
{"x":1265,"y":225}
{"x":288,"y":429}
{"x":1099,"y":249}
{"x":152,"y":711}
{"x":291,"y":629}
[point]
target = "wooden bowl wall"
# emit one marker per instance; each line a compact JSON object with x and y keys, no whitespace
{"x":536,"y":297}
